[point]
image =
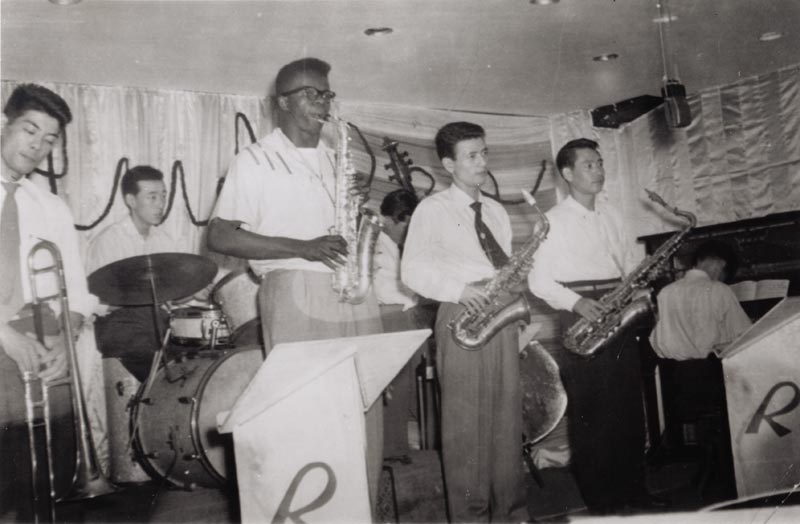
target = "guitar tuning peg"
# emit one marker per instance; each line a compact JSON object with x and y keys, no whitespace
{"x":387,"y":166}
{"x":409,"y":161}
{"x":404,"y":154}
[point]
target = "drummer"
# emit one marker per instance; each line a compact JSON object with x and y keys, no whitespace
{"x":129,"y":333}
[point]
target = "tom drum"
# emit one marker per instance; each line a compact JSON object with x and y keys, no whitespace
{"x":237,"y":295}
{"x":195,"y":325}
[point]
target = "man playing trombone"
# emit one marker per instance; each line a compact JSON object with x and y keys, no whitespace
{"x":34,"y":119}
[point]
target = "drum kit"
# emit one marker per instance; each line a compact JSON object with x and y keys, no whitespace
{"x":199,"y":370}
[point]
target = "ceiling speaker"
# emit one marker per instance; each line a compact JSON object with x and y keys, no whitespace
{"x":676,"y":108}
{"x":615,"y":115}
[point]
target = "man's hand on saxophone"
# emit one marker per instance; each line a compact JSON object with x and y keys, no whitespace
{"x":360,"y":189}
{"x":588,"y":308}
{"x":474,"y":298}
{"x":331,"y":250}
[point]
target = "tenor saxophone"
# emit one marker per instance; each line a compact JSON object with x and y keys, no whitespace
{"x":472,"y":330}
{"x":626,"y":303}
{"x":358,"y":227}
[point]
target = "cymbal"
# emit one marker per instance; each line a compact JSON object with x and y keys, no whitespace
{"x":126,"y":282}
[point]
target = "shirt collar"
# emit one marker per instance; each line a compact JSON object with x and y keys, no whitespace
{"x":697,"y":273}
{"x":289,"y":145}
{"x":460,"y":197}
{"x":131,"y":227}
{"x":575,"y":206}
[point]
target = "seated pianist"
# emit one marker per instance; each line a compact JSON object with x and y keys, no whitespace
{"x":699,"y":315}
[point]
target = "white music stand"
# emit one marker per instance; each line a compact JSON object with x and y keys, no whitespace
{"x":299,"y":432}
{"x":762,"y":385}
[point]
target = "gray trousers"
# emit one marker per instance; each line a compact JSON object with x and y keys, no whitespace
{"x":301,"y":305}
{"x":481,"y":425}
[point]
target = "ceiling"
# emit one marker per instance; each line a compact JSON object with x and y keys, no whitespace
{"x":497,"y":56}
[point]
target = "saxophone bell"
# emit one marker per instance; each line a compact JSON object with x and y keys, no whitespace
{"x":624,"y":304}
{"x":472,"y":331}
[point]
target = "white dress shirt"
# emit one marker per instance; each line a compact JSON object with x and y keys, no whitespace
{"x":442,"y":253}
{"x":695,"y":314}
{"x":276,"y":190}
{"x":44,"y":216}
{"x":581,"y":245}
{"x":389,"y":289}
{"x":122,"y":240}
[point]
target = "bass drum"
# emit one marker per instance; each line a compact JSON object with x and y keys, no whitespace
{"x":237,"y":295}
{"x":177,"y":438}
{"x":544,"y":399}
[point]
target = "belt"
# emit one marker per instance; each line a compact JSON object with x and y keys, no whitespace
{"x":592,"y":285}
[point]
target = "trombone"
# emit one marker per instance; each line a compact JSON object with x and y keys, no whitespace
{"x":88,"y":480}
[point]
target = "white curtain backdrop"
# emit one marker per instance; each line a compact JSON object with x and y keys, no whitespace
{"x":151,"y":127}
{"x":739,"y":158}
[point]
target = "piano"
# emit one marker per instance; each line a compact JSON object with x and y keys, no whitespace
{"x":685,"y":401}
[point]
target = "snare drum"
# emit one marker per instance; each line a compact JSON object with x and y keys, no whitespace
{"x":177,"y":436}
{"x":237,"y":295}
{"x":194,"y":325}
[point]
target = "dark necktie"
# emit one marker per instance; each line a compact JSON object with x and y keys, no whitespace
{"x":496,"y":255}
{"x":10,"y":277}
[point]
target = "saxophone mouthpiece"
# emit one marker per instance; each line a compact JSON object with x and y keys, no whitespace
{"x":655,"y":197}
{"x":528,"y":197}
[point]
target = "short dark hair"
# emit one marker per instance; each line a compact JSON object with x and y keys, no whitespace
{"x":569,"y":152}
{"x":399,"y":204}
{"x":288,"y":72}
{"x":451,"y":134}
{"x":719,"y":250}
{"x":134,"y":175}
{"x":33,"y":97}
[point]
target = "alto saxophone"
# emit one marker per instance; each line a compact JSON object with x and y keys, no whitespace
{"x":472,"y":330}
{"x":624,"y":304}
{"x":352,"y":280}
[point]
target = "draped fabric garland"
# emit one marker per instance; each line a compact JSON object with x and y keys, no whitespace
{"x":739,"y":158}
{"x":155,"y":127}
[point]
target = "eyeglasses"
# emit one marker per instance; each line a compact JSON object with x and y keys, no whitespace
{"x":311,"y":93}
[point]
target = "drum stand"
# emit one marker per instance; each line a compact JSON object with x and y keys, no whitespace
{"x":428,"y":407}
{"x":142,"y":395}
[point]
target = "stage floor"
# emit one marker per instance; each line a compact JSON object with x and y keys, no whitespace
{"x":417,"y":496}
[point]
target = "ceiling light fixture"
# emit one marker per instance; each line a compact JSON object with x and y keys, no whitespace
{"x":769,"y":36}
{"x":65,"y":2}
{"x":663,"y":19}
{"x":605,"y":57}
{"x":676,"y":107}
{"x":372,"y":31}
{"x":544,"y":2}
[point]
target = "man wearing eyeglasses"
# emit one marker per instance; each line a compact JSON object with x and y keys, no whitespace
{"x":276,"y":210}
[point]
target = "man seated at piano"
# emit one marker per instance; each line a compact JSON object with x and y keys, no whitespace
{"x":699,"y":315}
{"x":129,"y":333}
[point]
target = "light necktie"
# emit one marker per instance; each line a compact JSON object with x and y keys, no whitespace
{"x":10,"y":276}
{"x":496,"y":255}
